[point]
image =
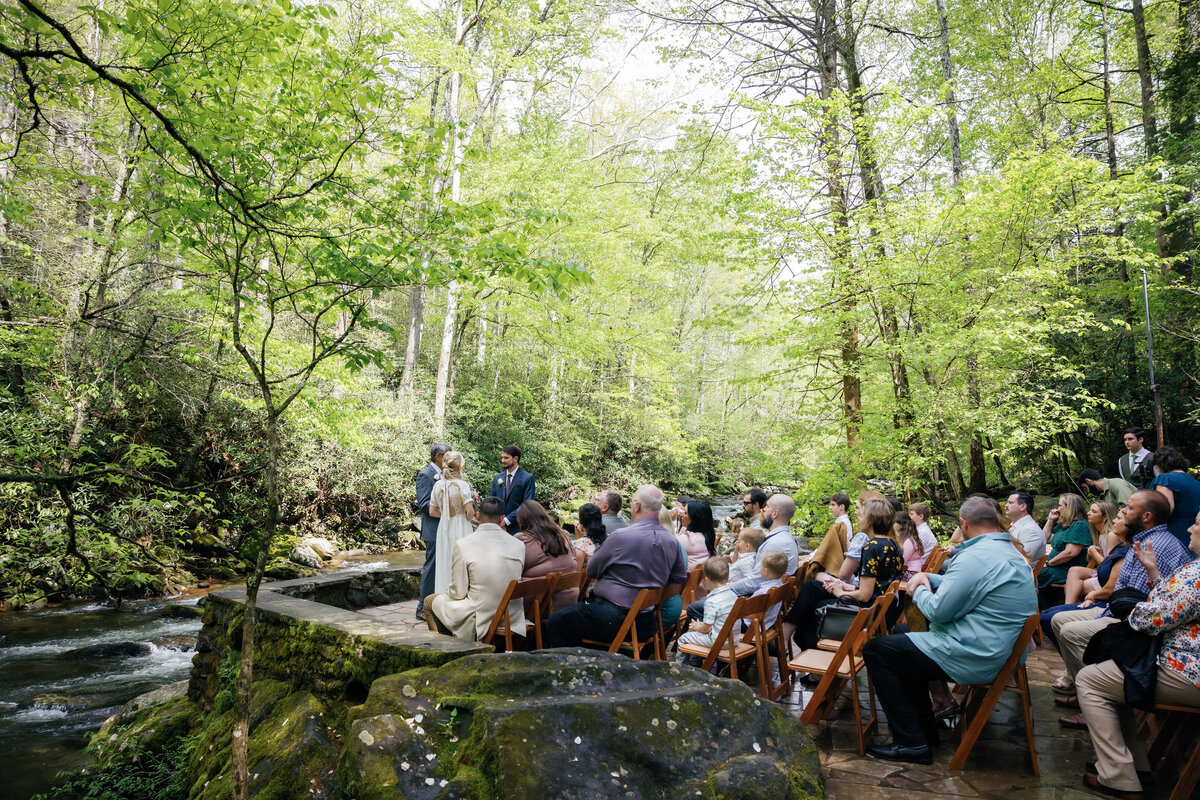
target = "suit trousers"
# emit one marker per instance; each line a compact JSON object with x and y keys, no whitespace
{"x":428,"y":571}
{"x":1073,"y":630}
{"x":1120,"y":753}
{"x":901,"y":673}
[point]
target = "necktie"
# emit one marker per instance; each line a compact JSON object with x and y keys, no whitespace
{"x":507,"y":483}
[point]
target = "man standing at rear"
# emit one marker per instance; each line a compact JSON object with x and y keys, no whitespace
{"x":426,"y":478}
{"x":513,"y":486}
{"x":1136,"y":466}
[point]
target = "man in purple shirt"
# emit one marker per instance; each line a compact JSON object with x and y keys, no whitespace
{"x":643,"y":555}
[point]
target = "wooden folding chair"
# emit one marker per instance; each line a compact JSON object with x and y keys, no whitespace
{"x":879,"y":626}
{"x":981,"y":699}
{"x":1163,"y":726}
{"x":502,"y":623}
{"x":837,"y":668}
{"x":935,"y":559}
{"x":773,"y":637}
{"x":730,"y":647}
{"x":627,"y":635}
{"x":669,"y":629}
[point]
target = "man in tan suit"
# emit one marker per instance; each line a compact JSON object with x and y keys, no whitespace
{"x":481,"y":568}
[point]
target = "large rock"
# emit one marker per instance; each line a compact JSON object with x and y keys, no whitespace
{"x":321,"y":546}
{"x":572,"y":724}
{"x":305,"y":555}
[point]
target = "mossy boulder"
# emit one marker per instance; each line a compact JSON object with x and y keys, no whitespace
{"x":292,"y":749}
{"x":572,"y":724}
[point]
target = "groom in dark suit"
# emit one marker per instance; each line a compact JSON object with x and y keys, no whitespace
{"x":426,"y":478}
{"x":514,"y":486}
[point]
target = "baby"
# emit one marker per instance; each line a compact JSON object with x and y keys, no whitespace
{"x":748,"y":542}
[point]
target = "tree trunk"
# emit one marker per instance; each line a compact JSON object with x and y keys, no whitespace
{"x":412,"y":341}
{"x":825,"y":39}
{"x":956,"y":166}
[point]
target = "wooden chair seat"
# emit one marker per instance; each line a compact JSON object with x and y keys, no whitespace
{"x":741,"y":650}
{"x":819,"y":661}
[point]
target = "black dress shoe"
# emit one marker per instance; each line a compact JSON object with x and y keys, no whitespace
{"x":898,"y":752}
{"x":420,"y":616}
{"x":1093,"y":782}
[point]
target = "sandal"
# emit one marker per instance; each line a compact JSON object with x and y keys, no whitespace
{"x":1063,"y":685}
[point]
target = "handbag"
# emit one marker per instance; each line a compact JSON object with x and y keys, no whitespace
{"x":833,"y":620}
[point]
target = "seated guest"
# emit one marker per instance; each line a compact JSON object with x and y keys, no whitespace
{"x":831,"y":552}
{"x":547,"y":550}
{"x":772,"y":568}
{"x":590,"y":532}
{"x":717,"y":606}
{"x":1145,"y":517}
{"x":1101,"y":517}
{"x":1109,"y":570}
{"x":1023,"y":528}
{"x":1172,"y":612}
{"x":1181,"y":490}
{"x":1115,"y":490}
{"x":777,"y":519}
{"x":905,"y":532}
{"x":976,"y":612}
{"x":742,"y":560}
{"x":1069,"y":535}
{"x":609,"y":503}
{"x":643,"y":555}
{"x":696,"y":532}
{"x":882,"y":563}
{"x":920,"y":513}
{"x":482,"y":565}
{"x":753,"y":502}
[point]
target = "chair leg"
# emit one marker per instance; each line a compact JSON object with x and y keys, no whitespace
{"x":1161,"y":728}
{"x":977,"y":720}
{"x":1027,"y":708}
{"x":1189,"y":776}
{"x":858,"y":721}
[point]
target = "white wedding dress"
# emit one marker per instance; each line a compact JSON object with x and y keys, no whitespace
{"x":451,"y":497}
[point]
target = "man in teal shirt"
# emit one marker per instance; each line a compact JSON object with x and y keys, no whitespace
{"x":976,"y":612}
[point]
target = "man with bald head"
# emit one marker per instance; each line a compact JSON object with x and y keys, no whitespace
{"x":642,"y":555}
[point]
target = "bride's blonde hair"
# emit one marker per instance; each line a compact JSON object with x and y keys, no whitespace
{"x":452,"y":465}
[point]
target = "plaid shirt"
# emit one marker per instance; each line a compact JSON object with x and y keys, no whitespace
{"x":1168,"y":552}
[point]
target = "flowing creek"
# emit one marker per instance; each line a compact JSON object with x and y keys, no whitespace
{"x":54,"y":693}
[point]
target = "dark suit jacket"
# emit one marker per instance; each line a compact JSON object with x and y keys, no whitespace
{"x":522,"y":489}
{"x":426,"y":478}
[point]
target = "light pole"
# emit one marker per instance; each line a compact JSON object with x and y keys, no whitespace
{"x":1154,"y":387}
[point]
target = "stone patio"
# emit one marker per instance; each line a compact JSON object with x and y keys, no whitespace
{"x":999,"y":767}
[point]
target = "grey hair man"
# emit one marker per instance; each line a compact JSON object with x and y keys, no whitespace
{"x":642,"y":555}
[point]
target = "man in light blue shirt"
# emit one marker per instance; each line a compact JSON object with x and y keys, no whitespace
{"x":976,"y":612}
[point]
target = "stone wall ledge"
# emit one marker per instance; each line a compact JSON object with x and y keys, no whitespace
{"x":332,"y":651}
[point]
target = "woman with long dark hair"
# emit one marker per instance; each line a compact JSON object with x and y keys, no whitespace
{"x":590,"y":532}
{"x":547,"y":549}
{"x":697,"y":533}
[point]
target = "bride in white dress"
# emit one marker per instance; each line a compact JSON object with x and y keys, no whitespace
{"x":452,"y":502}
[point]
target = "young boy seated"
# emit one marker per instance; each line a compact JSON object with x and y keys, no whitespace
{"x":717,"y":606}
{"x":742,"y":564}
{"x":773,"y":567}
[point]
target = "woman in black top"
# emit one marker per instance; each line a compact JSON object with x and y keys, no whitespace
{"x":882,"y":562}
